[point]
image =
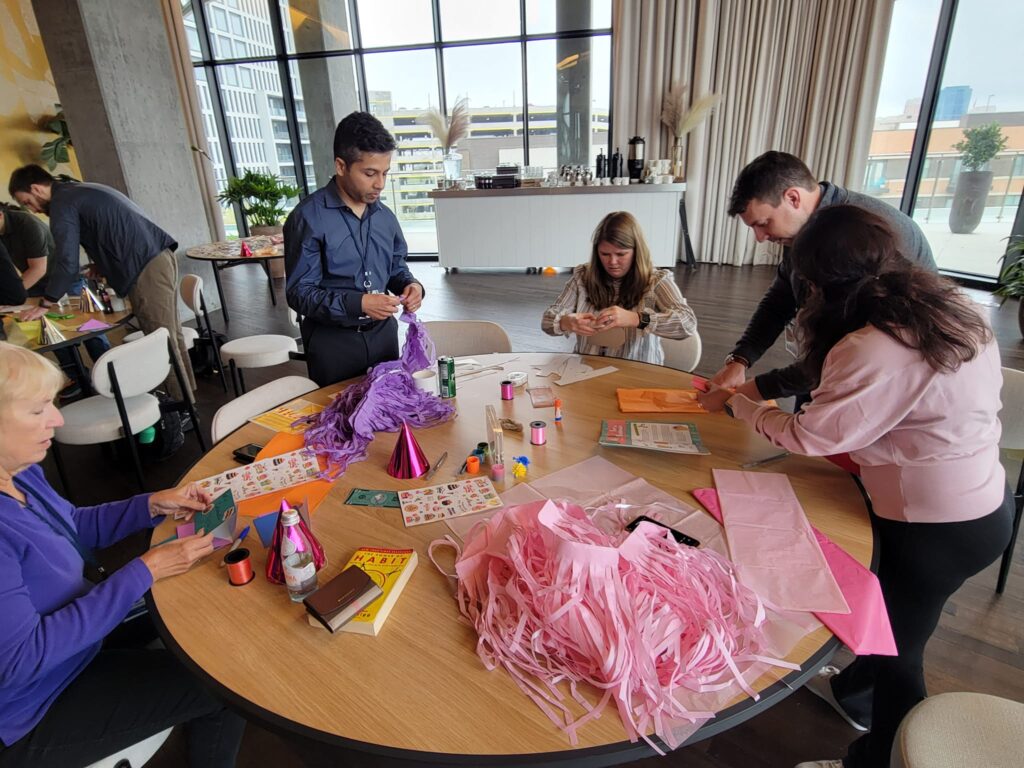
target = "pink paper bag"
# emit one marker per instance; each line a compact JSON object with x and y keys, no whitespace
{"x":865,"y":629}
{"x":772,"y":545}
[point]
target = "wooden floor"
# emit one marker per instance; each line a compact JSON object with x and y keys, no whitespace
{"x":979,"y":645}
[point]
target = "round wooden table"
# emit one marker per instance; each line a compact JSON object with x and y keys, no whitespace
{"x":228,"y":253}
{"x":418,"y":692}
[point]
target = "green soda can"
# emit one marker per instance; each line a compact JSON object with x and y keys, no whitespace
{"x":446,"y":376}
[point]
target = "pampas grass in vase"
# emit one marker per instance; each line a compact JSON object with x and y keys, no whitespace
{"x":681,"y":120}
{"x":449,"y":130}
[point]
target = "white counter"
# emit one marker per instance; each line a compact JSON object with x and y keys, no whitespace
{"x":536,"y":227}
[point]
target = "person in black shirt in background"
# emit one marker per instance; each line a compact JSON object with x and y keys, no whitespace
{"x":12,"y":290}
{"x":30,"y":246}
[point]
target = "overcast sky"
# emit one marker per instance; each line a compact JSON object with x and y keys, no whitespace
{"x":491,"y":76}
{"x":984,"y":54}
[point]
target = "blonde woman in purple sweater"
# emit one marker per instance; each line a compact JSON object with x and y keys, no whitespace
{"x":908,"y":383}
{"x":65,"y":698}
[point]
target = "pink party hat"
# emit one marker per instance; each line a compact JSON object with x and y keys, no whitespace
{"x":407,"y":460}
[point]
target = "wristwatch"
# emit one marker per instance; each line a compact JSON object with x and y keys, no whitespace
{"x":645,"y":320}
{"x":730,"y":358}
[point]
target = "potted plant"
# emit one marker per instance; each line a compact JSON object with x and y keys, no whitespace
{"x":1011,"y":277}
{"x":449,"y":131}
{"x":681,"y":119}
{"x":262,"y":197}
{"x":55,"y":151}
{"x":978,"y":146}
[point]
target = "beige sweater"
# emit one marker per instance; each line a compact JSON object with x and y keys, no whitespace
{"x":671,"y":317}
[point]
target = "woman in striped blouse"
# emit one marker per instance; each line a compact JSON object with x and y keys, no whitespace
{"x":620,"y":289}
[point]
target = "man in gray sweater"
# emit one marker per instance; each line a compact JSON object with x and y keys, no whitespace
{"x":775,"y":195}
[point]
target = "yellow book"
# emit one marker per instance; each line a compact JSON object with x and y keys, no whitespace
{"x":390,"y":569}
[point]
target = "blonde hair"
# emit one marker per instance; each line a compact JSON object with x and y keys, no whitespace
{"x":25,"y":374}
{"x":623,"y":230}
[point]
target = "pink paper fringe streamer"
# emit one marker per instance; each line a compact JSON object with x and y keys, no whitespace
{"x":554,"y":600}
{"x":379,"y":403}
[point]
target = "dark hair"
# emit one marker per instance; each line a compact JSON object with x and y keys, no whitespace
{"x":622,"y":229}
{"x":361,"y":132}
{"x":857,"y":276}
{"x":766,"y":178}
{"x":23,"y":178}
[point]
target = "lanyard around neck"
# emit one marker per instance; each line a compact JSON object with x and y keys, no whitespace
{"x":58,"y":525}
{"x":360,"y":246}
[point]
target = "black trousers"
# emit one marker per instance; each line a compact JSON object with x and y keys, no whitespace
{"x":335,"y":353}
{"x":122,"y":697}
{"x":920,"y":566}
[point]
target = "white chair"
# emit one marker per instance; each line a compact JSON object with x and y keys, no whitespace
{"x":457,"y":338}
{"x":952,"y":730}
{"x":123,"y":406}
{"x":188,"y":334}
{"x":682,"y":354}
{"x":1012,"y":440}
{"x":135,"y":756}
{"x":235,"y":413}
{"x":191,"y":290}
{"x":262,"y":351}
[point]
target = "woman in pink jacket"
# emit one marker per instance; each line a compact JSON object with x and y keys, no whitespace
{"x":909,"y":381}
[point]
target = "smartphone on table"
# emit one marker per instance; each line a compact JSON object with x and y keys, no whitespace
{"x":247,"y":453}
{"x":679,"y":536}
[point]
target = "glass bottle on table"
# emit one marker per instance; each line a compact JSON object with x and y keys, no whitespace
{"x":296,"y":555}
{"x":104,"y":297}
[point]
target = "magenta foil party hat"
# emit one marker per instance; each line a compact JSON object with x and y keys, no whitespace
{"x":407,"y":460}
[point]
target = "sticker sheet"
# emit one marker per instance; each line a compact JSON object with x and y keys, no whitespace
{"x":264,"y":476}
{"x":454,"y":499}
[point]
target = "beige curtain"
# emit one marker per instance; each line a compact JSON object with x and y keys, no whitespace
{"x":800,"y":76}
{"x":192,"y":112}
{"x":652,"y":50}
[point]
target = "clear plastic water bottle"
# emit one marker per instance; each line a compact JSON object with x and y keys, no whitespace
{"x":296,"y":558}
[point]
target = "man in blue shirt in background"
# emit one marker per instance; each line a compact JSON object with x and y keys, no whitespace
{"x":344,"y":258}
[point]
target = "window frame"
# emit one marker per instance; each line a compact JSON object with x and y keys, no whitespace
{"x":926,"y":117}
{"x":209,"y":62}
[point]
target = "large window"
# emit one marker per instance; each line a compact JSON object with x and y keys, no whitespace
{"x":276,"y":76}
{"x":941,"y":101}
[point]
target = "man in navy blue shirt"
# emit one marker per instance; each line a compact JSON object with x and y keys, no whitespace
{"x":344,"y":258}
{"x":133,"y":254}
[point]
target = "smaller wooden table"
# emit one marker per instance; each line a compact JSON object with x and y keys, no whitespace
{"x":228,"y":253}
{"x":69,"y":328}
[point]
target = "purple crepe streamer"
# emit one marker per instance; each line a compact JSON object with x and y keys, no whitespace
{"x":379,"y":403}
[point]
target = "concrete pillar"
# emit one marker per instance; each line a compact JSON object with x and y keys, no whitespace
{"x":572,"y":109}
{"x":115,"y":76}
{"x":328,"y":85}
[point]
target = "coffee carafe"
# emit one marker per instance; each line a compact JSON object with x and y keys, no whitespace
{"x":637,"y":148}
